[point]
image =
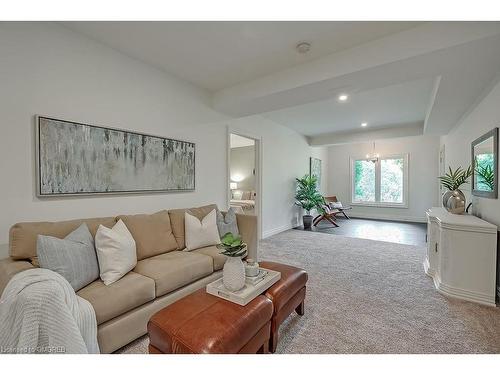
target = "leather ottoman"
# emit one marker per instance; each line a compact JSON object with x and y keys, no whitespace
{"x":202,"y":323}
{"x":287,"y":295}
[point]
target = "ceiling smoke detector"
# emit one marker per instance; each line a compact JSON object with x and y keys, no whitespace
{"x":303,"y":47}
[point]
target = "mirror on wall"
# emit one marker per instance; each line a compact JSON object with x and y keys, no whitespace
{"x":485,"y":163}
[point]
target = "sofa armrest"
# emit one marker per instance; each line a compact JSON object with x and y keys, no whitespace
{"x":247,"y":226}
{"x":8,"y":268}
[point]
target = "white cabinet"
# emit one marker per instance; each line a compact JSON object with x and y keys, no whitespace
{"x":461,"y":255}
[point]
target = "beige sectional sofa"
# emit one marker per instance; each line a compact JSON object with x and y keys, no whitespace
{"x":164,"y":273}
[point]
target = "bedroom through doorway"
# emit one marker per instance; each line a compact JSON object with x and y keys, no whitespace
{"x":243,"y":174}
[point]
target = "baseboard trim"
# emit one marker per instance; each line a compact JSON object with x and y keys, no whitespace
{"x":413,"y":219}
{"x":465,"y":294}
{"x":272,"y":232}
{"x":450,"y":291}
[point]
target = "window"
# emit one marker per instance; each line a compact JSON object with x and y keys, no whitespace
{"x":380,"y":183}
{"x":364,"y":181}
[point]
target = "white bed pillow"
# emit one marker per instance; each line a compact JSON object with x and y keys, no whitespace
{"x":237,"y":194}
{"x":201,"y":233}
{"x":116,"y":252}
{"x":246,"y":195}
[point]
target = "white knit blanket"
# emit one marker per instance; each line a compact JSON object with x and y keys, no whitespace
{"x":40,"y":313}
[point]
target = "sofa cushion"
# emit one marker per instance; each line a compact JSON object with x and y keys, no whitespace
{"x":116,"y":252}
{"x":22,"y":236}
{"x":201,"y":233}
{"x":214,"y":253}
{"x":226,"y":223}
{"x":177,"y":221}
{"x":131,"y":291}
{"x":152,"y":233}
{"x":173,"y":270}
{"x":73,"y":257}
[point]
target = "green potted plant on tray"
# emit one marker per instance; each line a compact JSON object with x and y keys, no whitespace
{"x":233,"y":274}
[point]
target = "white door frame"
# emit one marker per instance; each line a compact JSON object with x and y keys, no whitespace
{"x":442,"y":171}
{"x":258,"y":171}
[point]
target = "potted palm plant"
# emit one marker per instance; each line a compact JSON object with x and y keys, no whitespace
{"x":454,"y":199}
{"x":308,"y":197}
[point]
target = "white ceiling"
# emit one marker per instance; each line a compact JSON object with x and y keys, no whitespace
{"x":239,"y":141}
{"x":410,"y":78}
{"x":215,"y":55}
{"x":389,"y":77}
{"x":395,"y":105}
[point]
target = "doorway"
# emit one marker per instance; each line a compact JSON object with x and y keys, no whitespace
{"x":244,"y":193}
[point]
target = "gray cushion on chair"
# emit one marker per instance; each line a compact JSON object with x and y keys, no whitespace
{"x":73,"y":257}
{"x":227,"y":223}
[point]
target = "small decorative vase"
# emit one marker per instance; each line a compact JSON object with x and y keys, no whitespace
{"x":251,"y":268}
{"x":456,"y":202}
{"x":233,"y":274}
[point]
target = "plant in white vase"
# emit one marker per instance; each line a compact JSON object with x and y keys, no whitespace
{"x":233,"y":274}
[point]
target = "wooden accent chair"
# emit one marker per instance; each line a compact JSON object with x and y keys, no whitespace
{"x":331,"y":213}
{"x":328,"y":215}
{"x":333,"y":199}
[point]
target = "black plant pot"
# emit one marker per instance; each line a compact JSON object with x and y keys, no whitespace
{"x":307,"y":219}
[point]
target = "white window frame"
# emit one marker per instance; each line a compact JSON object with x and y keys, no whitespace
{"x":377,"y":202}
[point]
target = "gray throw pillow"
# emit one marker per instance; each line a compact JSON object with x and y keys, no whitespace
{"x":73,"y":257}
{"x":228,"y":223}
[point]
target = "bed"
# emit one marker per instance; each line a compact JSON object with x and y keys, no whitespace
{"x":244,"y":201}
{"x":245,"y":204}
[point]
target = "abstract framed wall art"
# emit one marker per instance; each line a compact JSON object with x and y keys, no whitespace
{"x":315,"y":170}
{"x":80,"y":159}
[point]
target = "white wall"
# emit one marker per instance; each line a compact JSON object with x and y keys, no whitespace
{"x":242,"y":165}
{"x":49,"y":70}
{"x":422,"y":178}
{"x":484,"y":117}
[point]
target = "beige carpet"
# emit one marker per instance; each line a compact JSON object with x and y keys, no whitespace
{"x":369,"y":296}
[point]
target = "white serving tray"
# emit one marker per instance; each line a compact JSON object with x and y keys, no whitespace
{"x":248,"y":292}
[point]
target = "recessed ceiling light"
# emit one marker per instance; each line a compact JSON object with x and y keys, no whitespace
{"x":343,"y":97}
{"x":364,"y":124}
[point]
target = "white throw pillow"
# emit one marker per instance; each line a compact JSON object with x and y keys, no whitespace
{"x":116,"y":252}
{"x":201,"y":233}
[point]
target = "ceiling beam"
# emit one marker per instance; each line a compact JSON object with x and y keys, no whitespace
{"x":430,"y":106}
{"x":253,"y":97}
{"x":403,"y":130}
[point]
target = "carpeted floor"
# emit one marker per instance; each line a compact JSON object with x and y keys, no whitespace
{"x":369,"y":296}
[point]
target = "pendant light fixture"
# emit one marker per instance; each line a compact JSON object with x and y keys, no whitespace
{"x":373,"y":157}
